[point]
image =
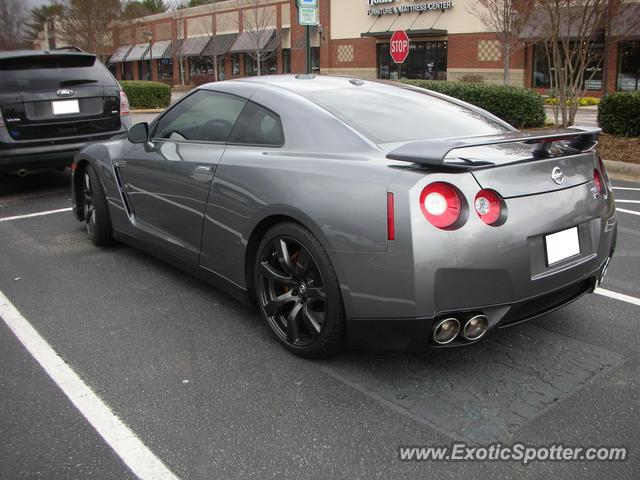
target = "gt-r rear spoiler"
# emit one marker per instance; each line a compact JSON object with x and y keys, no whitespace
{"x":433,"y":152}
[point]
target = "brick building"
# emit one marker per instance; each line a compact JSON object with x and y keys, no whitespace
{"x":447,"y":42}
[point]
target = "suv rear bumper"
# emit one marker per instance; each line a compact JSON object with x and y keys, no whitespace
{"x":42,"y":156}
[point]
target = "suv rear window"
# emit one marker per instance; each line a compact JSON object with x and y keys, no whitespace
{"x":393,"y":114}
{"x":50,"y":72}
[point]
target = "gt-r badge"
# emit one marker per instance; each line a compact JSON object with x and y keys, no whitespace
{"x":557,"y":175}
{"x":64,"y":92}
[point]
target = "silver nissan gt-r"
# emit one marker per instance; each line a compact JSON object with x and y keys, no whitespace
{"x":357,"y":213}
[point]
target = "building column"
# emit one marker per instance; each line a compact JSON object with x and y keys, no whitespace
{"x":612,"y":67}
{"x":154,"y":70}
{"x":134,"y":65}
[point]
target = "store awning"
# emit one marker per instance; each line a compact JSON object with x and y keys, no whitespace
{"x":572,"y":24}
{"x":160,"y":49}
{"x":219,"y":44}
{"x":120,"y":54}
{"x":424,"y":32}
{"x":137,"y":52}
{"x":268,"y":40}
{"x":193,"y":46}
{"x":625,"y":23}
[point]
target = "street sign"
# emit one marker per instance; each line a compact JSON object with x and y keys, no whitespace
{"x":307,"y":15}
{"x":307,"y":3}
{"x":399,"y":46}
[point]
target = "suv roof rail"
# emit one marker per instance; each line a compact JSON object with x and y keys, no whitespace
{"x":70,"y":48}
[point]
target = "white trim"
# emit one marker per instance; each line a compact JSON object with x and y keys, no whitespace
{"x":627,"y":201}
{"x":627,"y":211}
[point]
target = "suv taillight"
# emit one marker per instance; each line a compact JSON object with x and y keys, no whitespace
{"x":124,"y":104}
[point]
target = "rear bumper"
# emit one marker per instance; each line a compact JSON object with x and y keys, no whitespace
{"x":415,"y":334}
{"x":40,"y":155}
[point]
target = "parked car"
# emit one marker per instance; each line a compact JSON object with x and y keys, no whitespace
{"x":356,"y":212}
{"x":51,"y":104}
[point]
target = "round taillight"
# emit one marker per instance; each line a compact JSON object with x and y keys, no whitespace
{"x":597,"y":179}
{"x":488,"y":206}
{"x":440,"y":204}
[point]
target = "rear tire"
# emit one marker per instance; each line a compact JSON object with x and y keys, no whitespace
{"x":96,"y":211}
{"x":298,"y":292}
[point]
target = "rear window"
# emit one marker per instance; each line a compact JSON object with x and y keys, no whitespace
{"x":50,"y":72}
{"x":396,"y":114}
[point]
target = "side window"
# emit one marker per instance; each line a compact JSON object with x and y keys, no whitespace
{"x":257,"y":126}
{"x":204,"y":116}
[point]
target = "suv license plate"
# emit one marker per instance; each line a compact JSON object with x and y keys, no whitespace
{"x":65,"y":107}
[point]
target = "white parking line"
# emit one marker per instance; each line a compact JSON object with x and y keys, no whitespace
{"x":627,"y":188}
{"x":627,"y":201}
{"x":618,"y":296}
{"x":627,"y":211}
{"x":37,"y":214}
{"x":142,"y":462}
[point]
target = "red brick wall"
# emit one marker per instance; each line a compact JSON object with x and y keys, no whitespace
{"x":364,"y":53}
{"x":463,"y":52}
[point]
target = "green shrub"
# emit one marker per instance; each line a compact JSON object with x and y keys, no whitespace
{"x":521,"y":107}
{"x":144,"y":94}
{"x":619,"y":114}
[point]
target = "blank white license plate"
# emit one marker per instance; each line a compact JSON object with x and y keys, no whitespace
{"x":562,"y":245}
{"x":65,"y":107}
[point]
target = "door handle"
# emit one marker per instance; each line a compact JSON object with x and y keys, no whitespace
{"x":204,"y":169}
{"x":120,"y":163}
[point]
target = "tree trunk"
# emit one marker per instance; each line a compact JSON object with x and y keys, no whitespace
{"x":506,"y":52}
{"x":258,"y":61}
{"x":215,"y":68}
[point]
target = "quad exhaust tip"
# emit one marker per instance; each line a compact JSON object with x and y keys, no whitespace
{"x":475,"y":327}
{"x":446,"y":331}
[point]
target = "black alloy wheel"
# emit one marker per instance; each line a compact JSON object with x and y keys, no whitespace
{"x":298,"y":292}
{"x":94,"y":208}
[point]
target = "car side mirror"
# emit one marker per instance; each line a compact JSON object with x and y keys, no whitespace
{"x":139,"y":133}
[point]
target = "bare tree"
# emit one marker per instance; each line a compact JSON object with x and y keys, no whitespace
{"x":570,"y":29}
{"x":258,"y":23}
{"x":88,"y":24}
{"x":505,"y":19}
{"x":13,"y":17}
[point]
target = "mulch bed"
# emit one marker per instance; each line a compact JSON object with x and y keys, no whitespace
{"x":619,"y":149}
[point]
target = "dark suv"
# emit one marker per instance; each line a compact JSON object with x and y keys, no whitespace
{"x":51,"y":104}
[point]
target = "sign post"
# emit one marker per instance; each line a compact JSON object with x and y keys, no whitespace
{"x":308,"y":16}
{"x":399,"y":47}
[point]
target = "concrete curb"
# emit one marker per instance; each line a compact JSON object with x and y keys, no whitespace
{"x":623,"y":170}
{"x":150,"y":110}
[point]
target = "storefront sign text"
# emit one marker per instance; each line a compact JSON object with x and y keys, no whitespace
{"x":407,"y":8}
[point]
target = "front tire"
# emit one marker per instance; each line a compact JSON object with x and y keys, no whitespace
{"x":95,"y":209}
{"x":298,"y":292}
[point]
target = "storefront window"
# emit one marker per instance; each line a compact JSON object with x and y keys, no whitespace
{"x":592,"y":76}
{"x":144,"y":70}
{"x":426,"y":60}
{"x":629,"y":66}
{"x":268,"y":66}
{"x":286,"y":60}
{"x":221,"y":68}
{"x":235,"y":65}
{"x":200,"y":66}
{"x":127,"y":71}
{"x":249,"y":65}
{"x":165,"y":69}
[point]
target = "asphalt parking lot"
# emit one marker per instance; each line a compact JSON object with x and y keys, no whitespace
{"x":203,"y":385}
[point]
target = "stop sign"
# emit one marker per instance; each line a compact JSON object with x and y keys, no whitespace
{"x":399,"y":46}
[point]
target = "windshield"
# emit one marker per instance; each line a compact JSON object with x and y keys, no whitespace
{"x":50,"y":72}
{"x":391,"y":114}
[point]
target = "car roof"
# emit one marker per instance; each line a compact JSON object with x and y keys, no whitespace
{"x":37,"y":53}
{"x":302,"y":84}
